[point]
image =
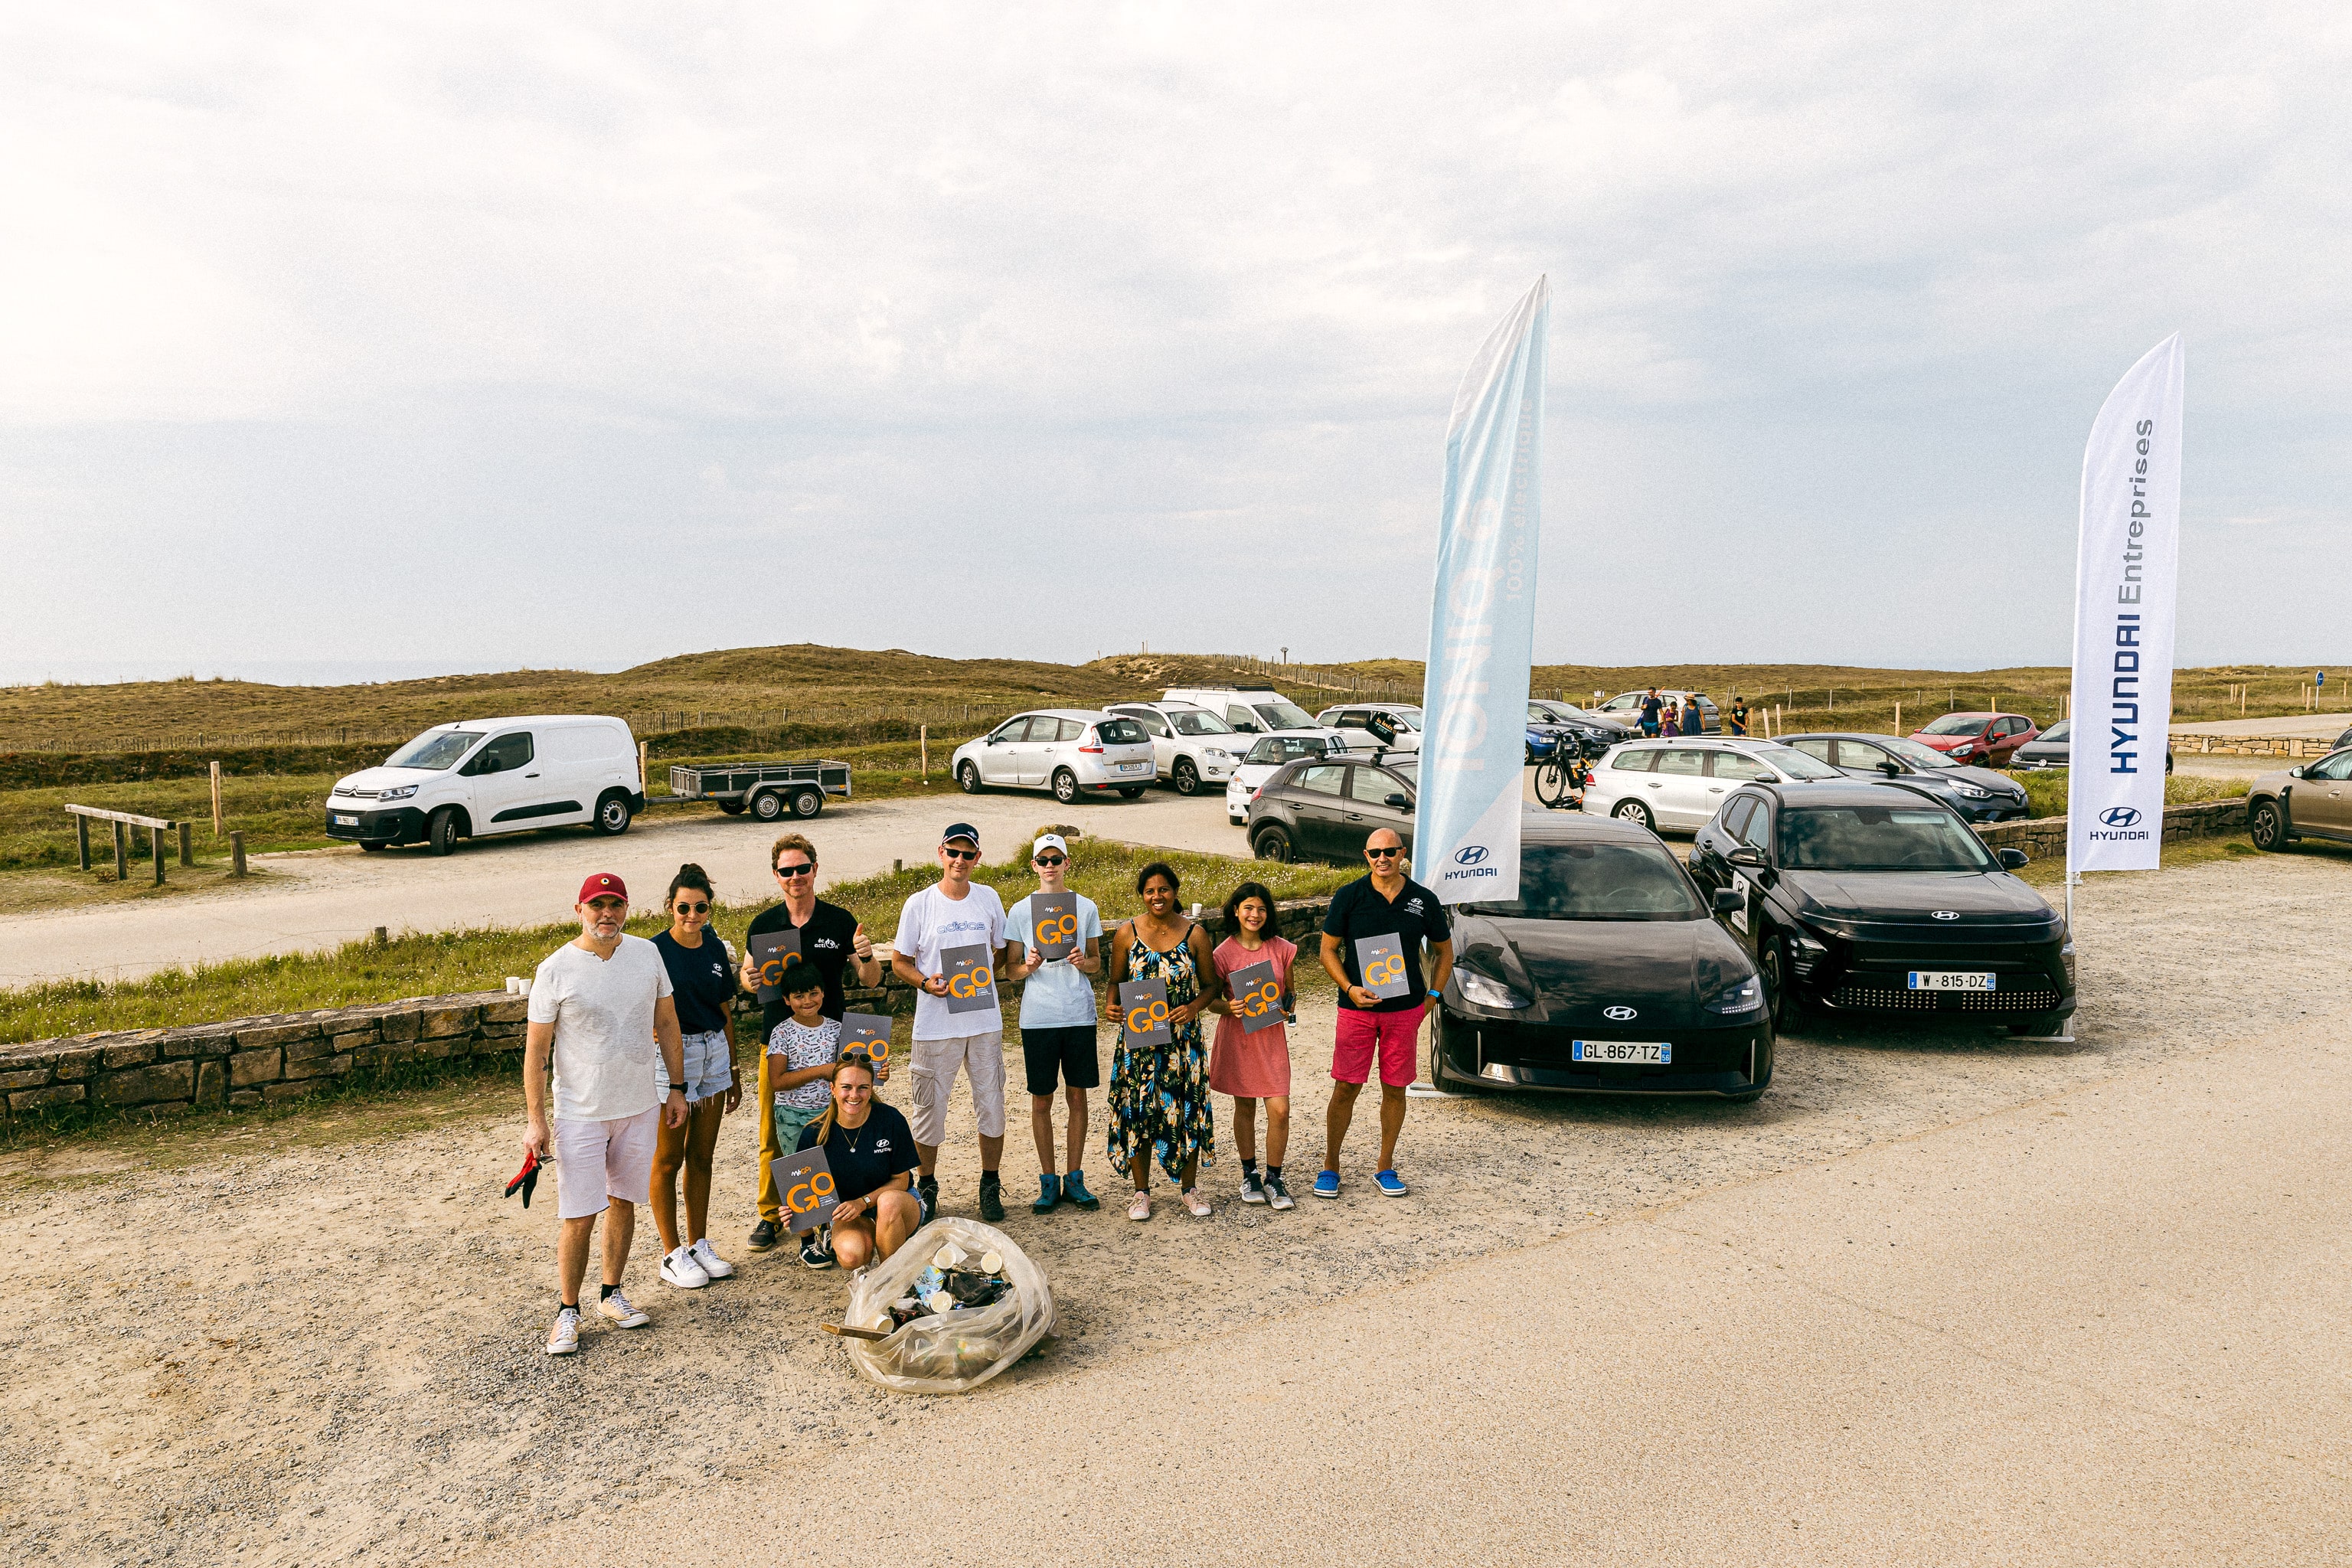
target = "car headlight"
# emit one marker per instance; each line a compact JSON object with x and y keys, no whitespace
{"x":1220,"y":757}
{"x":2066,"y":957}
{"x":1969,"y":790}
{"x":1488,"y":992}
{"x":403,"y":793}
{"x":1744,"y":997}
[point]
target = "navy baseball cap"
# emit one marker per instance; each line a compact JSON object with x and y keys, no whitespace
{"x":962,"y":830}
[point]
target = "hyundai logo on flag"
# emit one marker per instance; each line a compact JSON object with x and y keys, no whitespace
{"x":1470,"y":854}
{"x":2120,"y":815}
{"x":1944,"y":914}
{"x":1617,"y":1014}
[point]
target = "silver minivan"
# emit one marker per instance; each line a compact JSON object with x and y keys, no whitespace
{"x":1068,"y":751}
{"x":483,"y":776}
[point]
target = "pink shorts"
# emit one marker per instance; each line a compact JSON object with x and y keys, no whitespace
{"x":1395,"y":1034}
{"x":595,"y":1161}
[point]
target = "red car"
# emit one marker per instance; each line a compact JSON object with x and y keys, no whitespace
{"x":1981,"y":739}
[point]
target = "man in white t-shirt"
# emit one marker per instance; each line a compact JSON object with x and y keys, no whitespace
{"x":598,"y":1005}
{"x":954,"y":912}
{"x":1058,"y":1019}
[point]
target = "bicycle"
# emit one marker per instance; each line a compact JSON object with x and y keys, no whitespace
{"x":1558,"y":779}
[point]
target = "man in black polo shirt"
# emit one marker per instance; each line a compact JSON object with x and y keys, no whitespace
{"x":831,"y":939}
{"x":1385,"y":903}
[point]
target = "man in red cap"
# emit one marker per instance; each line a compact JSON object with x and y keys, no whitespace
{"x":598,"y":1005}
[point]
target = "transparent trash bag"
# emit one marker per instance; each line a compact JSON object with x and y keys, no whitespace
{"x":955,"y":1351}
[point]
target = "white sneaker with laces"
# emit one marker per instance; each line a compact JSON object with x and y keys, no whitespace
{"x":565,"y":1337}
{"x":616,"y":1307}
{"x":712,"y":1264}
{"x":680,"y":1271}
{"x":1138,"y":1207}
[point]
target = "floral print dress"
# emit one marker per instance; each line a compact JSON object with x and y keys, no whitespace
{"x":1159,"y":1094}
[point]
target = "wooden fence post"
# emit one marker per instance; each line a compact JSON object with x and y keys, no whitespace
{"x":923,"y":737}
{"x":217,"y":811}
{"x":122,"y":853}
{"x":644,"y":784}
{"x":156,"y":842}
{"x":81,"y":839}
{"x":236,"y":854}
{"x":187,"y":849}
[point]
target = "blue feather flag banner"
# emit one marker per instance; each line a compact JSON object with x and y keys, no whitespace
{"x":1482,"y":617}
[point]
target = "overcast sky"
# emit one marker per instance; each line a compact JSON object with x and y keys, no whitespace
{"x":385,"y":339}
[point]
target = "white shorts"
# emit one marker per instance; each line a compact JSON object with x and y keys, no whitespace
{"x":599,"y":1160}
{"x":934,"y":1072}
{"x":710,"y":1067}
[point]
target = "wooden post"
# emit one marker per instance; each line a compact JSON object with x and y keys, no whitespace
{"x":187,"y":847}
{"x":217,"y":811}
{"x":236,"y":854}
{"x":1898,"y":718}
{"x":122,"y":853}
{"x":156,"y":842}
{"x":81,"y":839}
{"x":923,"y":738}
{"x":644,"y":784}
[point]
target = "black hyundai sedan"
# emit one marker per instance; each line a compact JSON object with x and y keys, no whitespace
{"x":1978,"y":794}
{"x":1605,"y":975}
{"x":1868,"y":899}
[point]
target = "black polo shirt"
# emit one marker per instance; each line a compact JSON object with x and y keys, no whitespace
{"x":863,"y":1159}
{"x":1412,"y":918}
{"x":827,"y":941}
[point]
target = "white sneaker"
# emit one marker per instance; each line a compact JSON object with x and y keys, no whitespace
{"x":616,"y":1307}
{"x":680,"y":1271}
{"x":565,"y":1337}
{"x":715,"y":1267}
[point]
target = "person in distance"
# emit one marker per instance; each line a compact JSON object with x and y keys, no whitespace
{"x":1057,"y":1022}
{"x":702,"y":984}
{"x":1159,"y":1094}
{"x":1651,"y":705}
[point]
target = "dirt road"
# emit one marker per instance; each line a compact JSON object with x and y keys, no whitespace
{"x":1858,"y":1321}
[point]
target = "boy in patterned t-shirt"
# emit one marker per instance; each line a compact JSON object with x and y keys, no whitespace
{"x":809,"y":1043}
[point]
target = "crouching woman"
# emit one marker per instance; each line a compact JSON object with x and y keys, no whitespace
{"x":871,"y":1150}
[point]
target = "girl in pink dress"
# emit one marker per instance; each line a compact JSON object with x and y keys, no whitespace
{"x":1248,"y":1066}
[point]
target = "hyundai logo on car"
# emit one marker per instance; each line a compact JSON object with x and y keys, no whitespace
{"x":1617,"y":1014}
{"x":1470,"y":854}
{"x":2120,"y":817}
{"x":1944,"y":914}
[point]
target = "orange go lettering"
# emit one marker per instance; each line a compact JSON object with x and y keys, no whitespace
{"x":1381,"y":971}
{"x":970,"y":983}
{"x":1146,"y":1016}
{"x":803,"y":1197}
{"x":1056,"y":930}
{"x":1257,"y":1000}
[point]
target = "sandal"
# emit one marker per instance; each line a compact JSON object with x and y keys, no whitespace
{"x":1140,"y":1207}
{"x":1198,"y":1204}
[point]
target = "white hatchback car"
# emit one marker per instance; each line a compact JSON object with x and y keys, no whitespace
{"x":1191,"y":746}
{"x":1267,"y":757}
{"x":1069,"y":751}
{"x":1680,"y":783}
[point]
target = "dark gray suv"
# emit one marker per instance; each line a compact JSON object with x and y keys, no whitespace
{"x":1324,"y":809}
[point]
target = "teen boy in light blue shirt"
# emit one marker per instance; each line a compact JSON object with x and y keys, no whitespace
{"x":1057,"y":1022}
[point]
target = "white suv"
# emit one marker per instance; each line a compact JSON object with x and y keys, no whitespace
{"x":482,"y":776}
{"x":1068,"y":751}
{"x":1680,"y":783}
{"x":1190,"y":745}
{"x":1394,"y":726}
{"x":1267,"y":756}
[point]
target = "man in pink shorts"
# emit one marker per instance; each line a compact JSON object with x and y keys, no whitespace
{"x":600,"y":1004}
{"x":1385,"y":904}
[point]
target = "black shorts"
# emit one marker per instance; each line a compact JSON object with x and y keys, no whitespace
{"x":1067,"y":1052}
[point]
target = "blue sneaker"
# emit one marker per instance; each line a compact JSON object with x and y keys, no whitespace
{"x":1390,"y":1183}
{"x":1074,"y":1187}
{"x":1327,"y":1185}
{"x":1049,"y":1193}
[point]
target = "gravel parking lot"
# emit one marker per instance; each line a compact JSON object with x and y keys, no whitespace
{"x":291,"y":1353}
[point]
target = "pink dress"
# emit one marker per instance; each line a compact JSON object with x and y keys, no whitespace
{"x":1247,"y":1066}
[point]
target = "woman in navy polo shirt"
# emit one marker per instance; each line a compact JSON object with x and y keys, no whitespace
{"x":702,"y":979}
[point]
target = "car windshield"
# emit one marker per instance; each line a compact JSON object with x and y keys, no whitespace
{"x":1878,"y":838}
{"x":1410,"y":718}
{"x":1269,"y":753}
{"x":1598,"y":882}
{"x":434,"y":749}
{"x":1281,"y":715}
{"x":1198,"y":722}
{"x":1955,"y":724}
{"x":2057,"y":731}
{"x":1913,"y":752}
{"x":1120,"y":732}
{"x":1792,"y":763}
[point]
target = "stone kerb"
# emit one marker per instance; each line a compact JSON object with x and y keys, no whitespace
{"x":2283,"y":747}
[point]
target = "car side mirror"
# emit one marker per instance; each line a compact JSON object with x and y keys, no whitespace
{"x":1398,"y":799}
{"x":1746,"y":855}
{"x":2010,"y":859}
{"x":1729,"y":900}
{"x":2294,"y":773}
{"x":1891,"y":768}
{"x":1768,"y":778}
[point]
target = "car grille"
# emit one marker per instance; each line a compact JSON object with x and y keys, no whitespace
{"x":1884,"y":999}
{"x":357,"y":794}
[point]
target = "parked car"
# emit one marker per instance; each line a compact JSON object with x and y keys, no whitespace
{"x":1595,"y":732}
{"x":485,"y":776}
{"x":1984,"y":739}
{"x":1324,"y":809}
{"x":1605,"y":975}
{"x":2311,"y":801}
{"x":1267,"y":756}
{"x":1189,"y":745}
{"x":1678,"y":783}
{"x":1258,"y":710}
{"x":2053,"y":748}
{"x":1544,"y":733}
{"x":1627,"y":706}
{"x":1069,"y":751}
{"x":1978,"y":794}
{"x":1871,"y":899}
{"x":1392,"y":726}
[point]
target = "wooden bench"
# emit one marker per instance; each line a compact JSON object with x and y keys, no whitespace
{"x":156,"y":827}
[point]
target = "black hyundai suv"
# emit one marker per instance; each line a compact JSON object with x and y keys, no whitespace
{"x":1873,"y":898}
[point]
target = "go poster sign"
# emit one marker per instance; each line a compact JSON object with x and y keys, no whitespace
{"x":804,"y":1179}
{"x":972,"y":980}
{"x":1143,"y":1013}
{"x":1257,"y":996}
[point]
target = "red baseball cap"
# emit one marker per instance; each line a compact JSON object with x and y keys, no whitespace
{"x":603,"y":885}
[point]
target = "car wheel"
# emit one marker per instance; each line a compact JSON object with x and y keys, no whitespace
{"x":1185,"y":777}
{"x":1271,"y":844}
{"x":807,"y":803}
{"x":1065,"y":786}
{"x":1130,"y":795}
{"x":441,"y":832}
{"x":768,"y":805}
{"x":613,"y":813}
{"x":731,"y":807}
{"x":2266,"y":825}
{"x":1774,"y":968}
{"x":1634,"y":811}
{"x":969,"y":778}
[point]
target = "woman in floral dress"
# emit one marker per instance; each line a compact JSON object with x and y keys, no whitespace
{"x":1159,"y":1103}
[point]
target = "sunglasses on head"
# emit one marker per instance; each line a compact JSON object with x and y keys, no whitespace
{"x":685,"y":909}
{"x":1050,"y":860}
{"x":1382,"y":853}
{"x":805,"y":868}
{"x":963,"y":854}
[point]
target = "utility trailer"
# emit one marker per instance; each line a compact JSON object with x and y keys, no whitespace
{"x":769,"y":791}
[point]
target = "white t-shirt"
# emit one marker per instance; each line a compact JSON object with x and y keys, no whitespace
{"x":931,"y":922}
{"x":603,"y":1010}
{"x":1057,"y":996}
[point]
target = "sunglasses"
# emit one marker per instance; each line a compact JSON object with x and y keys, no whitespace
{"x":1050,"y":860}
{"x":807,"y":868}
{"x":963,"y":854}
{"x":685,"y":909}
{"x":1382,"y":853}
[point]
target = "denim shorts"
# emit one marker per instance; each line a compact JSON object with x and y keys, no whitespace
{"x":710,"y":1067}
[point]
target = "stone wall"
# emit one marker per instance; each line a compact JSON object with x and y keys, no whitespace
{"x":2045,"y":838}
{"x":248,"y":1062}
{"x":2282,"y":747}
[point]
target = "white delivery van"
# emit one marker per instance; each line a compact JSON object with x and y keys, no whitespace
{"x":482,"y":776}
{"x":1254,"y":710}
